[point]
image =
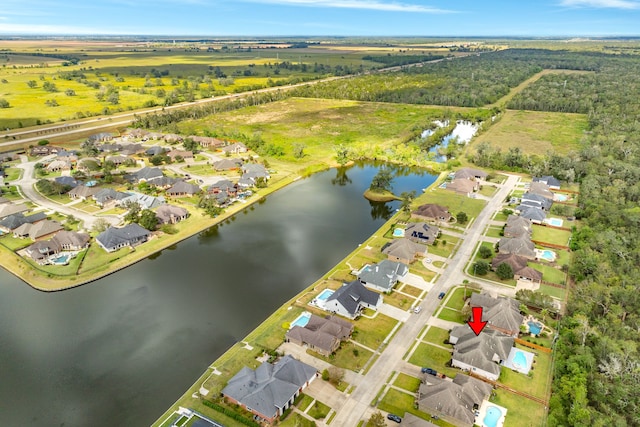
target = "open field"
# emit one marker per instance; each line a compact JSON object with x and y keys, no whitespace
{"x":535,"y":132}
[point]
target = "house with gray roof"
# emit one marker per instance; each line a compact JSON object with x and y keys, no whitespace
{"x":540,"y":189}
{"x":351,"y":299}
{"x":39,"y":230}
{"x":66,"y":180}
{"x":522,"y":246}
{"x":383,"y":276}
{"x":271,"y":389}
{"x":183,"y":189}
{"x":227,"y":164}
{"x":257,"y":170}
{"x":169,"y":214}
{"x":154,"y":150}
{"x":432,"y":212}
{"x":404,"y":250}
{"x":144,"y":200}
{"x":223,"y":186}
{"x":83,"y":192}
{"x":421,"y":232}
{"x":532,"y":213}
{"x":453,"y":401}
{"x":471,"y":174}
{"x":321,"y":334}
{"x":63,"y":240}
{"x":7,"y":209}
{"x":146,"y":174}
{"x":163,"y":182}
{"x":14,"y":221}
{"x":481,"y":354}
{"x":118,"y":160}
{"x":108,"y":196}
{"x":551,"y":181}
{"x":535,"y":200}
{"x":502,"y":313}
{"x":517,"y":226}
{"x":130,"y":235}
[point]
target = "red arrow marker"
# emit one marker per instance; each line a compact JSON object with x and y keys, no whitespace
{"x":476,"y":324}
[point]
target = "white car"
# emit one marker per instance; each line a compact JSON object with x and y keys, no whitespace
{"x":417,"y":310}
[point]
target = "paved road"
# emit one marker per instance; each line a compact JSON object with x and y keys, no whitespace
{"x":358,"y":405}
{"x":26,"y":183}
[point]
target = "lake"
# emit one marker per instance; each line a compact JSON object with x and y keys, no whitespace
{"x":124,"y":348}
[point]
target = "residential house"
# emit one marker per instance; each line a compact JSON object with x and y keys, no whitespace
{"x":322,"y":335}
{"x":481,"y":354}
{"x":7,"y":209}
{"x":551,"y":181}
{"x":533,"y":214}
{"x":145,"y":201}
{"x":235,"y":148}
{"x":70,"y":156}
{"x":383,"y":276}
{"x":154,"y":150}
{"x":131,"y":149}
{"x":11,"y":222}
{"x":114,"y":238}
{"x":517,"y":226}
{"x":541,"y":189}
{"x":404,"y":250}
{"x":271,"y":389}
{"x":255,"y":170}
{"x":66,"y":180}
{"x":58,"y":165}
{"x":169,"y":214}
{"x":172,"y":138}
{"x":101,"y":137}
{"x":351,"y":299}
{"x":186,"y":155}
{"x":522,"y":246}
{"x":40,"y":251}
{"x":163,"y":182}
{"x":183,"y":189}
{"x":223,"y":186}
{"x":470,"y":174}
{"x":88,"y":165}
{"x":453,"y":401}
{"x":421,"y":232}
{"x":529,"y":274}
{"x":107,"y":197}
{"x":432,"y":212}
{"x":44,"y":150}
{"x":110,"y":148}
{"x":535,"y":200}
{"x":38,"y":230}
{"x":118,"y":160}
{"x":83,"y":192}
{"x":502,"y":313}
{"x":462,"y":186}
{"x":516,"y":262}
{"x":227,"y":164}
{"x":208,"y":142}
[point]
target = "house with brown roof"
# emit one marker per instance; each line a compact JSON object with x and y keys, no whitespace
{"x":186,"y":155}
{"x":183,"y":189}
{"x":321,"y":334}
{"x":169,"y":214}
{"x":481,"y":354}
{"x":39,"y":230}
{"x":522,"y":246}
{"x":63,"y":240}
{"x":235,"y":148}
{"x":471,"y":174}
{"x":432,"y":212}
{"x":541,"y":189}
{"x":206,"y":141}
{"x":529,"y":274}
{"x":463,"y":186}
{"x":421,"y":232}
{"x":404,"y":250}
{"x":227,"y":164}
{"x":82,"y":192}
{"x":517,"y":226}
{"x":58,"y":165}
{"x":519,"y":267}
{"x":501,"y":313}
{"x":453,"y":401}
{"x":7,"y":209}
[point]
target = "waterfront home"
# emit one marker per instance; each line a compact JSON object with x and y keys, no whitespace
{"x":522,"y":246}
{"x":383,"y":276}
{"x":130,"y":235}
{"x":351,"y":299}
{"x":183,"y":189}
{"x":63,"y":240}
{"x":551,"y":181}
{"x":404,"y":250}
{"x":481,"y":354}
{"x":421,"y":232}
{"x":38,"y":230}
{"x":169,"y":214}
{"x":321,"y":334}
{"x":223,"y":186}
{"x":470,"y":174}
{"x":501,"y":313}
{"x":432,"y":212}
{"x":255,"y":170}
{"x":271,"y":389}
{"x":465,"y":187}
{"x":453,"y":401}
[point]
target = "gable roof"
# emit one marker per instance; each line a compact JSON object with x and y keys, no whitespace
{"x":182,"y":187}
{"x":529,"y":273}
{"x":106,"y":194}
{"x":39,"y":229}
{"x":66,"y":180}
{"x":226,"y":164}
{"x":144,"y":200}
{"x":461,"y":185}
{"x":431,"y":210}
{"x":501,"y":313}
{"x":531,"y":212}
{"x":384,"y":274}
{"x":113,"y":237}
{"x":404,"y":249}
{"x":516,"y":262}
{"x":238,"y":146}
{"x":147,"y":173}
{"x":470,"y":173}
{"x":323,"y":333}
{"x":541,"y":189}
{"x":165,"y":213}
{"x":71,"y":239}
{"x":351,"y":294}
{"x":536,"y":199}
{"x":16,"y":220}
{"x":517,"y":245}
{"x":421,"y":230}
{"x":482,"y":351}
{"x":7,"y":209}
{"x":551,"y":181}
{"x":269,"y":387}
{"x":84,"y":191}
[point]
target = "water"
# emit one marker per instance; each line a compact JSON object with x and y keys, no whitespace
{"x":548,"y":255}
{"x":492,"y":416}
{"x":519,"y":360}
{"x":462,"y":134}
{"x":534,"y":327}
{"x":324,"y":295}
{"x":301,"y":320}
{"x":398,"y":232}
{"x":121,"y":350}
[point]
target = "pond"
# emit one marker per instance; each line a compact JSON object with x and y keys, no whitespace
{"x":462,"y":134}
{"x":124,"y":348}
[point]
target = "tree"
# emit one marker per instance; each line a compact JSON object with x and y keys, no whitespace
{"x":4,"y":103}
{"x":261,"y":182}
{"x":481,"y":268}
{"x":100,"y":225}
{"x":298,"y":150}
{"x":32,"y":84}
{"x":377,"y":420}
{"x":43,"y":142}
{"x":342,"y":155}
{"x":504,"y":271}
{"x":148,"y":219}
{"x":70,"y":92}
{"x":407,"y":198}
{"x":156,"y":160}
{"x":462,"y":218}
{"x":336,"y":375}
{"x":485,"y":252}
{"x":382,"y":181}
{"x":133,"y":214}
{"x":210,"y":207}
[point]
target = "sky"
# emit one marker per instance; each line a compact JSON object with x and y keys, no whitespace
{"x":528,"y":18}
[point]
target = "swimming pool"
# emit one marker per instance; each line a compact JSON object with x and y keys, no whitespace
{"x":301,"y":320}
{"x":560,"y":197}
{"x":519,"y":360}
{"x":324,"y":295}
{"x":556,"y":222}
{"x":547,"y":255}
{"x":535,"y":327}
{"x":60,"y":259}
{"x":398,"y":232}
{"x":492,"y":416}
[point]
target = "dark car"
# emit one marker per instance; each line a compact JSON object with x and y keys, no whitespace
{"x":394,"y":417}
{"x":441,"y":295}
{"x":429,"y":371}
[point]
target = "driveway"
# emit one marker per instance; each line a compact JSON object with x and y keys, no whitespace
{"x":416,"y":281}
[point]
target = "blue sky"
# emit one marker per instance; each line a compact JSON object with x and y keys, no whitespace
{"x":323,"y":17}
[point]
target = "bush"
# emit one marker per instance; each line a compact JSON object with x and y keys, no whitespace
{"x":4,"y":103}
{"x":325,"y":375}
{"x":485,"y":252}
{"x":229,"y":413}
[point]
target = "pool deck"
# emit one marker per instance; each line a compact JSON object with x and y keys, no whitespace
{"x":522,"y":369}
{"x":483,"y":412}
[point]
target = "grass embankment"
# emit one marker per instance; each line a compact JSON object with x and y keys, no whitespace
{"x":380,"y":196}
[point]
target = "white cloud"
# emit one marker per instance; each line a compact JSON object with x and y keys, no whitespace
{"x":357,"y":4}
{"x":612,"y":4}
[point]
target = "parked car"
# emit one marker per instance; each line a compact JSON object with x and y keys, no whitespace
{"x":441,"y":295}
{"x":417,"y":310}
{"x":394,"y":417}
{"x":429,"y":371}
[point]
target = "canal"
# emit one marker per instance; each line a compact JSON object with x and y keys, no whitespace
{"x":122,"y":349}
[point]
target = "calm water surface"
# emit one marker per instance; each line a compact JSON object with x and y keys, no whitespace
{"x":124,"y":348}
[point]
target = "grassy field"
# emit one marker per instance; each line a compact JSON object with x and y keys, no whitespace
{"x":550,"y":274}
{"x":399,"y":403}
{"x":520,"y":411}
{"x":437,"y":336}
{"x":406,"y":382}
{"x":538,"y":383}
{"x":429,"y":356}
{"x":536,"y":132}
{"x":551,"y":235}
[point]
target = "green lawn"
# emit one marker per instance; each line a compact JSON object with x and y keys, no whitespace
{"x":399,"y":300}
{"x":488,"y":190}
{"x":438,"y":336}
{"x":456,"y":301}
{"x":372,"y":332}
{"x":521,"y":412}
{"x":451,"y":315}
{"x":296,"y":420}
{"x":538,"y":383}
{"x":304,"y":403}
{"x":553,"y":291}
{"x":407,"y":382}
{"x":455,"y":202}
{"x":319,"y":410}
{"x":410,"y":290}
{"x":399,"y":403}
{"x":494,"y":231}
{"x":549,"y":274}
{"x":346,"y":358}
{"x":10,"y":193}
{"x":444,"y":246}
{"x":551,"y":235}
{"x":429,"y":356}
{"x":14,"y":243}
{"x":11,"y":174}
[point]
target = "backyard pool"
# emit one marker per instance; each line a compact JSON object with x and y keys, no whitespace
{"x":61,"y":259}
{"x":324,"y":295}
{"x":556,"y":222}
{"x":519,"y":360}
{"x":546,"y":255}
{"x":301,"y":320}
{"x":560,"y":197}
{"x":535,"y":327}
{"x":492,"y":416}
{"x":398,"y":232}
